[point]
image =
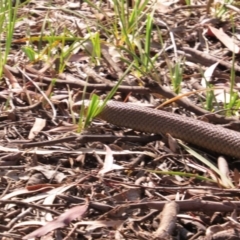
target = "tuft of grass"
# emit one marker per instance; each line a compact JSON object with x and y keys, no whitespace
{"x":210,"y":98}
{"x":95,"y":48}
{"x":128,"y":24}
{"x":131,"y":33}
{"x":52,"y":48}
{"x":143,"y":62}
{"x":182,"y":174}
{"x":221,"y":8}
{"x":234,"y":102}
{"x":176,"y":75}
{"x":57,"y":48}
{"x":8,"y":18}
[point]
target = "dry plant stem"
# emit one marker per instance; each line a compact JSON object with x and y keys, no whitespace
{"x":92,"y":138}
{"x":147,"y":216}
{"x":29,"y":205}
{"x":76,"y":83}
{"x":165,"y":156}
{"x":168,"y":218}
{"x":229,"y":234}
{"x":233,"y":8}
{"x":138,"y":231}
{"x":71,"y":232}
{"x":187,"y":7}
{"x":11,"y":236}
{"x":96,"y":77}
{"x":151,"y":86}
{"x":31,"y":107}
{"x":192,"y":205}
{"x":6,"y":189}
{"x":208,"y":190}
{"x":206,"y":59}
{"x":134,"y":163}
{"x":13,"y":167}
{"x":197,"y":235}
{"x":19,"y":217}
{"x":96,"y":205}
{"x":185,"y":103}
{"x":44,"y":96}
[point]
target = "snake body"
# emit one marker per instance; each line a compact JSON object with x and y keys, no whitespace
{"x":199,"y":133}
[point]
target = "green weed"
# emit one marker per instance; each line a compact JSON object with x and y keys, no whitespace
{"x":8,"y":18}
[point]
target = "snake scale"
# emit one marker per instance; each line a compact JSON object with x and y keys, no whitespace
{"x":199,"y":133}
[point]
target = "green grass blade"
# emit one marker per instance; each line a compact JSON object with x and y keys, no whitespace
{"x":207,"y":163}
{"x":183,"y":174}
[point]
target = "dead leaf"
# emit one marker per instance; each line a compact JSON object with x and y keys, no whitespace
{"x":61,"y":221}
{"x":39,"y":124}
{"x":173,"y":144}
{"x":11,"y":78}
{"x":225,"y":39}
{"x":92,"y":225}
{"x":49,"y":173}
{"x":223,"y":168}
{"x":108,"y":163}
{"x":208,"y":74}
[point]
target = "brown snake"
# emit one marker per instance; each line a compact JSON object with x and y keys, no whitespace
{"x":202,"y":134}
